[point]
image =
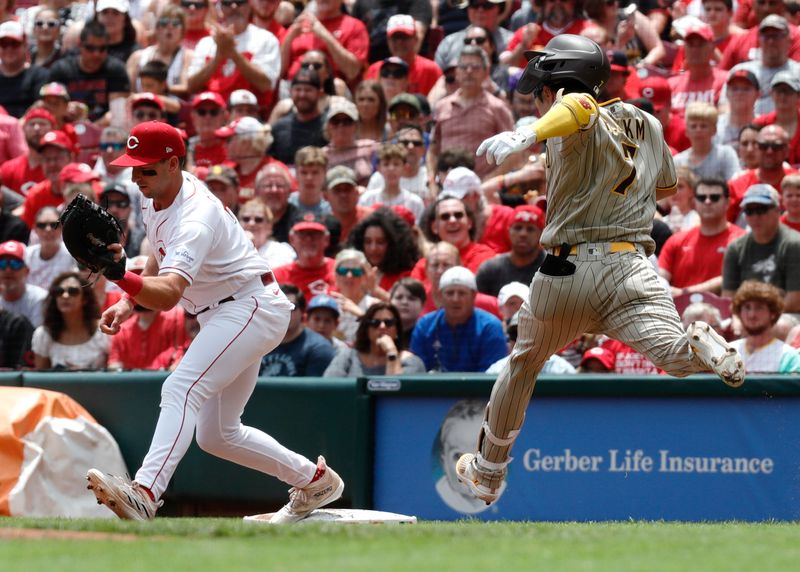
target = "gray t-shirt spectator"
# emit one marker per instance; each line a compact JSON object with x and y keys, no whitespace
{"x":776,"y":263}
{"x":30,"y":304}
{"x":721,"y":163}
{"x":499,"y":271}
{"x":347,"y":364}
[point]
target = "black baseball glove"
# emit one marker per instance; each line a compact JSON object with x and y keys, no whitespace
{"x":88,"y":229}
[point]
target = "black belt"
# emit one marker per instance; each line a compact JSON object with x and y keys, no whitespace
{"x":266,"y":280}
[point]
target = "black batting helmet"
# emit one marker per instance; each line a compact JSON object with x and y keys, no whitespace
{"x":566,"y":57}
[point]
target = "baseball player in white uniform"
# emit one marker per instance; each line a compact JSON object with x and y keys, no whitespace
{"x":204,"y":262}
{"x":607,"y":165}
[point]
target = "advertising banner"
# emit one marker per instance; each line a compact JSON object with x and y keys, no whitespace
{"x":681,"y":458}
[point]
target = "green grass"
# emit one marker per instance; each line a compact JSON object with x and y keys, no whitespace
{"x":225,"y":545}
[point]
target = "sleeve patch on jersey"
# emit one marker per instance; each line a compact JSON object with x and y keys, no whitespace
{"x":184,"y":254}
{"x":584,"y":103}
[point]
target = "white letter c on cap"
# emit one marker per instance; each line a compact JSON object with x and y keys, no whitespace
{"x":133,"y":142}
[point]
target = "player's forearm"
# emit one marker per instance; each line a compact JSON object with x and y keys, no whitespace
{"x":252,"y":73}
{"x":198,"y":80}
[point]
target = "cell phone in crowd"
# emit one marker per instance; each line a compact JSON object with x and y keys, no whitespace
{"x":627,"y":12}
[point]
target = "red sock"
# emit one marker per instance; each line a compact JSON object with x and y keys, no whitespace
{"x":149,"y":493}
{"x":318,"y":475}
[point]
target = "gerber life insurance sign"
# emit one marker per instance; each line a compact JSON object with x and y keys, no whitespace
{"x":598,"y":459}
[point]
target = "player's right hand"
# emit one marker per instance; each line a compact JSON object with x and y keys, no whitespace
{"x":112,"y":319}
{"x":500,"y":146}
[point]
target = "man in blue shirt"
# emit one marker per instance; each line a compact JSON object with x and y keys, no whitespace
{"x":458,"y":337}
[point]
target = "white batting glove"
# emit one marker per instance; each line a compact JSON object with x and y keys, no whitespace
{"x":500,"y":146}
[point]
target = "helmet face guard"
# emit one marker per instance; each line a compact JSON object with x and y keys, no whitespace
{"x":534,"y":73}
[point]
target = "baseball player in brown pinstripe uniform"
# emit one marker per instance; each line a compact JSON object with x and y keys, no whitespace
{"x":607,"y":165}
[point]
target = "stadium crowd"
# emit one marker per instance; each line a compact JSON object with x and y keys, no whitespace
{"x":342,"y":134}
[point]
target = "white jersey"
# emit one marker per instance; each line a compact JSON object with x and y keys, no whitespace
{"x":256,"y":44}
{"x":199,"y":239}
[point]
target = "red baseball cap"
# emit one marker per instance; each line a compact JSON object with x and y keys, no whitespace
{"x":529,"y":214}
{"x":309,"y":222}
{"x":39,"y":113}
{"x":211,"y":97}
{"x":57,"y":139}
{"x":151,"y":142}
{"x":13,"y":249}
{"x":657,"y":90}
{"x":77,"y":173}
{"x":702,"y":31}
{"x":603,"y":355}
{"x":148,"y":98}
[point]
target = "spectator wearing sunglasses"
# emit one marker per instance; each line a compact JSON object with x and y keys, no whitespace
{"x":355,"y":280}
{"x":112,"y":146}
{"x":208,"y":115}
{"x":343,"y":148}
{"x":91,"y":76}
{"x":49,"y":257}
{"x":402,"y":39}
{"x":170,"y":27}
{"x":46,"y":48}
{"x":342,"y":37}
{"x":19,"y":81}
{"x":378,"y":16}
{"x":238,"y":55}
{"x":691,"y":261}
{"x":785,"y":93}
{"x":393,"y":77}
{"x":484,"y":13}
{"x":118,"y":200}
{"x":22,"y":172}
{"x":773,"y":150}
{"x":458,"y":337}
{"x":256,"y":218}
{"x":16,"y":295}
{"x":197,"y":22}
{"x":377,"y":349}
{"x":69,"y":337}
{"x":769,"y":253}
{"x":146,"y":107}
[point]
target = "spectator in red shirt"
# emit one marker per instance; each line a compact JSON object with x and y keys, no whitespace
{"x":700,"y":81}
{"x":342,"y":37}
{"x":208,"y":115}
{"x":196,"y":18}
{"x":312,"y":272}
{"x":657,"y":90}
{"x":747,"y":46}
{"x":691,"y":261}
{"x":790,"y":196}
{"x":773,"y":144}
{"x":621,"y":83}
{"x":785,"y":93}
{"x":147,"y":333}
{"x":264,"y":17}
{"x":402,"y":38}
{"x":247,"y":142}
{"x":22,"y":172}
{"x":57,"y":151}
{"x":719,"y":15}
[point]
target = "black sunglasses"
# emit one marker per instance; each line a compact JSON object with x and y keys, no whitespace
{"x":164,"y":22}
{"x":312,"y":65}
{"x":444,"y":217}
{"x":212,"y":112}
{"x":407,"y":142}
{"x":341,"y":120}
{"x":703,"y":198}
{"x":255,"y":219}
{"x":47,"y":225}
{"x":147,"y":115}
{"x":94,"y":49}
{"x":756,"y":210}
{"x":196,"y":5}
{"x":71,"y":291}
{"x":479,"y":41}
{"x":771,"y":146}
{"x":122,"y":203}
{"x":47,"y":23}
{"x":233,"y":3}
{"x":482,"y":5}
{"x":393,"y":72}
{"x":376,"y":323}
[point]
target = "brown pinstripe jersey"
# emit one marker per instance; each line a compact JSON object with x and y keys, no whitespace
{"x":602,"y":181}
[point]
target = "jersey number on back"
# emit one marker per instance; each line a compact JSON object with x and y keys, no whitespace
{"x":629,"y":151}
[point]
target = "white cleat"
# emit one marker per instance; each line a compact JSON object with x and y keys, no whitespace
{"x":467,"y":472}
{"x":126,"y":499}
{"x":716,"y":353}
{"x":303,"y":501}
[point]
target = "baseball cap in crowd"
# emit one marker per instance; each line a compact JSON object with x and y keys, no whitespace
{"x":54,"y":89}
{"x":136,"y":264}
{"x":606,"y":357}
{"x":405,"y":214}
{"x":13,"y":249}
{"x":401,"y":24}
{"x":323,"y":301}
{"x":308,"y":76}
{"x":405,"y":99}
{"x":512,"y":289}
{"x":57,"y":139}
{"x":529,"y":214}
{"x":458,"y":276}
{"x":309,"y":222}
{"x":342,"y":107}
{"x":242,"y":126}
{"x":223,"y":174}
{"x":151,"y":142}
{"x":77,"y":173}
{"x":394,"y":67}
{"x":742,"y":74}
{"x":340,"y":174}
{"x":702,"y":31}
{"x":657,"y":90}
{"x":12,"y":30}
{"x":112,"y":188}
{"x":786,"y":78}
{"x":147,"y":98}
{"x":211,"y":97}
{"x":761,"y":194}
{"x":460,"y":182}
{"x":774,"y":21}
{"x":242,"y":97}
{"x":618,"y":60}
{"x":118,"y":5}
{"x":39,"y":113}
